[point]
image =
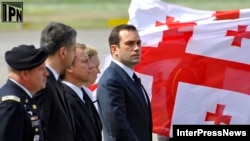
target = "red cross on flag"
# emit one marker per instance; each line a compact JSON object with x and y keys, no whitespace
{"x":196,"y":104}
{"x":196,"y":63}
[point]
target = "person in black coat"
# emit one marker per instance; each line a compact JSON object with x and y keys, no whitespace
{"x":20,"y":117}
{"x":123,"y":103}
{"x":60,"y":41}
{"x":87,"y":121}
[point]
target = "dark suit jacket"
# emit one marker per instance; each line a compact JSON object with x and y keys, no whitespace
{"x":125,"y":115}
{"x":88,"y":127}
{"x":19,"y":118}
{"x":56,"y":111}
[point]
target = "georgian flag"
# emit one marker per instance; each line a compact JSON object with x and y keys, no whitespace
{"x":224,"y":40}
{"x":195,"y":64}
{"x":196,"y":60}
{"x":197,"y":104}
{"x":147,"y":13}
{"x":216,"y":102}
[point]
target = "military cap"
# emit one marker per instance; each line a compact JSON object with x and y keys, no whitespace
{"x":25,"y":57}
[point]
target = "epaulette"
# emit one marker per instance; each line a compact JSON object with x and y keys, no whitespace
{"x":11,"y":97}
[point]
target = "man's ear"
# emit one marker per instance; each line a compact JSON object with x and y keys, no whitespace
{"x":113,"y":49}
{"x":24,"y":74}
{"x":69,"y":69}
{"x":62,"y":52}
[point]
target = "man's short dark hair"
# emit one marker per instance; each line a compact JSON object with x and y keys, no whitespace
{"x":55,"y":35}
{"x":114,"y":37}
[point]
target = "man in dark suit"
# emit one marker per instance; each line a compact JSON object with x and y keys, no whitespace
{"x":86,"y":118}
{"x":124,"y":106}
{"x":20,"y":117}
{"x":60,"y":41}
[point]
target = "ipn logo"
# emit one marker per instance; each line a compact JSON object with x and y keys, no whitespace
{"x":12,"y":12}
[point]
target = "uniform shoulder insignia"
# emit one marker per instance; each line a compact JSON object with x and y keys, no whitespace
{"x":11,"y":97}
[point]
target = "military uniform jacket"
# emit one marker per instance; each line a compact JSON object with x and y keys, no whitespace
{"x":20,"y":118}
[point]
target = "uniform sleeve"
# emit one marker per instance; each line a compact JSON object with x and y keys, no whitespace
{"x":11,"y":121}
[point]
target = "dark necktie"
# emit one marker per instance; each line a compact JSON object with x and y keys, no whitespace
{"x":85,"y":98}
{"x":87,"y":103}
{"x":138,"y":82}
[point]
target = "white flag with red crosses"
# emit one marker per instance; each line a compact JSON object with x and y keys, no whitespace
{"x":198,"y":62}
{"x":195,"y":64}
{"x":196,"y":104}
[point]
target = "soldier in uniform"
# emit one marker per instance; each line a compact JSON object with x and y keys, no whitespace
{"x":20,"y":118}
